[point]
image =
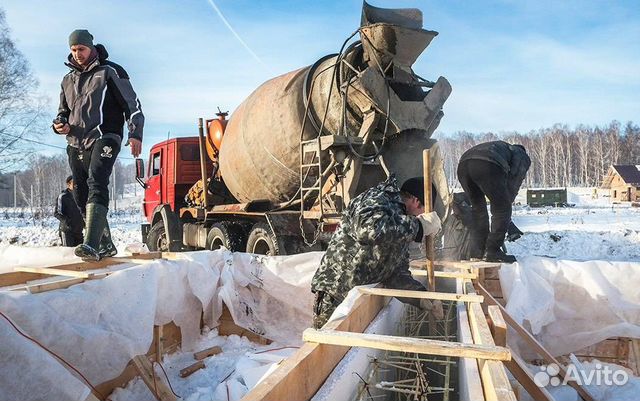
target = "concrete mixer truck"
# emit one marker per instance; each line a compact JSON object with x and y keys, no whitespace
{"x":274,"y":178}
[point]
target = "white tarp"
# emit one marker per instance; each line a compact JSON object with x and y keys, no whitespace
{"x":570,"y":305}
{"x":98,"y":326}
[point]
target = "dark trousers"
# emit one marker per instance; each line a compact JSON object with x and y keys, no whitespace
{"x":70,"y":238}
{"x":91,"y":170}
{"x":480,"y":178}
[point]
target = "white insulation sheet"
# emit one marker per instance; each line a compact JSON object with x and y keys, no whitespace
{"x":570,"y":305}
{"x":98,"y":326}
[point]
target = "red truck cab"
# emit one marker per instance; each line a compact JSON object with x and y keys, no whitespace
{"x":174,"y":165}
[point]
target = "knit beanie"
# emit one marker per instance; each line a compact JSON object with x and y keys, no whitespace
{"x":81,"y":37}
{"x":415,"y":187}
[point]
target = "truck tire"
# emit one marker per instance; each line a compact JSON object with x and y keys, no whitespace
{"x":157,"y":238}
{"x":262,"y":241}
{"x":230,"y":236}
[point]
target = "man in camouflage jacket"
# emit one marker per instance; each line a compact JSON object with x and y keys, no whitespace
{"x":371,"y":245}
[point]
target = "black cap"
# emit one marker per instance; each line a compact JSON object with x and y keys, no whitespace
{"x":69,"y":179}
{"x":415,"y":187}
{"x":81,"y":37}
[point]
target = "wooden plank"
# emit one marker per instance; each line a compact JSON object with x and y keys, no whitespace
{"x":498,"y":326}
{"x":191,"y":369}
{"x":228,"y":327}
{"x":152,"y":380}
{"x":428,"y":208}
{"x":441,"y":274}
{"x":53,"y":271}
{"x":406,"y":344}
{"x":535,"y":345}
{"x":442,"y":296}
{"x":38,"y":286}
{"x":519,"y":370}
{"x":11,"y":279}
{"x":85,"y":274}
{"x":300,"y":376}
{"x":494,"y":377}
{"x":205,"y":353}
{"x":159,"y":342}
{"x":470,"y":383}
{"x":467,"y":264}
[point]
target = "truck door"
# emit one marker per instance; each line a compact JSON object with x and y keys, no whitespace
{"x":153,"y":192}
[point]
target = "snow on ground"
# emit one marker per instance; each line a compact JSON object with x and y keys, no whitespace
{"x":592,"y":230}
{"x":225,"y":376}
{"x":24,"y":227}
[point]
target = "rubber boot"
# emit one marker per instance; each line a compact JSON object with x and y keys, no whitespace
{"x":498,"y":256}
{"x":107,"y":247}
{"x":96,"y":222}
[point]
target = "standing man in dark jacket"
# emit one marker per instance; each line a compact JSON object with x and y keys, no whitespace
{"x":371,"y":245}
{"x":71,"y":221}
{"x":495,"y":170}
{"x":95,"y":102}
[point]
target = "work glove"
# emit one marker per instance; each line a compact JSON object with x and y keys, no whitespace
{"x":432,"y":306}
{"x":430,"y":223}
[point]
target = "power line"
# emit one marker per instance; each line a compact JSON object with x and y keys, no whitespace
{"x":48,"y":144}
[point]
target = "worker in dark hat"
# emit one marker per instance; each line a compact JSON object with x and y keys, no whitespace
{"x":371,"y":245}
{"x":96,"y":101}
{"x":71,"y":221}
{"x":494,"y":171}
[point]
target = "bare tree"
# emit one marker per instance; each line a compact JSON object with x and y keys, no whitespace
{"x":21,"y":108}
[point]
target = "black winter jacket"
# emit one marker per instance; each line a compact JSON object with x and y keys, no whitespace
{"x":68,"y":213}
{"x":512,"y":158}
{"x":96,"y":100}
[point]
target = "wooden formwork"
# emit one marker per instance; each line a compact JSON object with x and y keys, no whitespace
{"x":166,"y":338}
{"x":622,"y":351}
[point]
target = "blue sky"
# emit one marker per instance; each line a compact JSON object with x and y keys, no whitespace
{"x":513,"y":65}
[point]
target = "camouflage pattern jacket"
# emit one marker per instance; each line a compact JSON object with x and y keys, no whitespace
{"x":371,"y":244}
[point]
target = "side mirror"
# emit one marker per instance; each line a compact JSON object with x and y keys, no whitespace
{"x":140,"y":172}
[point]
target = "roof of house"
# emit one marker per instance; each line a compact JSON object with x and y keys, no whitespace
{"x":629,"y":173}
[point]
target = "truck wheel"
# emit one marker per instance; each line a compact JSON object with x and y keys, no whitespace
{"x":157,"y":238}
{"x":263,"y":242}
{"x":230,"y":236}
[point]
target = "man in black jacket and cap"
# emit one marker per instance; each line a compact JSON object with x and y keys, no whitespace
{"x":494,"y":170}
{"x":96,"y":100}
{"x":71,"y":221}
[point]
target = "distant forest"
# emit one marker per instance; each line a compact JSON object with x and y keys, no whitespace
{"x":560,"y":156}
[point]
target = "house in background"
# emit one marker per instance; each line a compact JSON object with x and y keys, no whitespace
{"x":623,"y":183}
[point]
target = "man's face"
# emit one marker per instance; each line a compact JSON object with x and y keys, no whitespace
{"x":414,"y":206}
{"x":81,"y":54}
{"x":70,"y":185}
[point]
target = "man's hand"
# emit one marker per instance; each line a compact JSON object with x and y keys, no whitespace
{"x":136,"y":146}
{"x":430,"y":223}
{"x":62,"y":128}
{"x":434,"y":307}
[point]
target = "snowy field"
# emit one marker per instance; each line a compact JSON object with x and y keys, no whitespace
{"x":591,"y":230}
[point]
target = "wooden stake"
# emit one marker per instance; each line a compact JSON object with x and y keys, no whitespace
{"x":153,"y":381}
{"x":428,"y":207}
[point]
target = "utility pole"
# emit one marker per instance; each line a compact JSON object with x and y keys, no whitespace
{"x":31,"y":196}
{"x":15,"y":191}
